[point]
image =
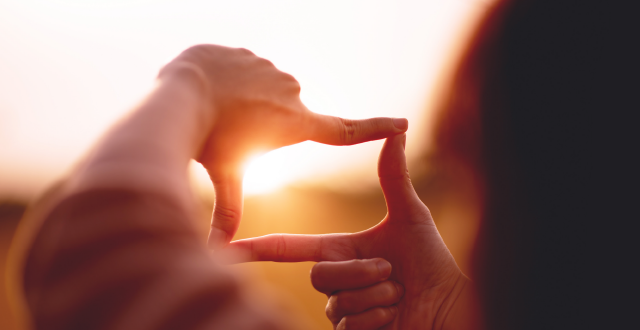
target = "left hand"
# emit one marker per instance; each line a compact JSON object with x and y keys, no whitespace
{"x":250,"y":106}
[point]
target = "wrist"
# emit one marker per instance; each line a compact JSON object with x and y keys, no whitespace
{"x":190,"y":81}
{"x":155,"y":140}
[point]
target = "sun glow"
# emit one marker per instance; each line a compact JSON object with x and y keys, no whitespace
{"x":265,"y":173}
{"x":88,"y":62}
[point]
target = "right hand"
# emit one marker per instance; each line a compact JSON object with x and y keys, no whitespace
{"x":253,"y":107}
{"x":407,"y":238}
{"x":359,"y":292}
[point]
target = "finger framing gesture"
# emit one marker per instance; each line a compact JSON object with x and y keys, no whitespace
{"x":407,"y":238}
{"x":250,"y":107}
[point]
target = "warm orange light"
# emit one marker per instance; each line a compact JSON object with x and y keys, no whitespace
{"x":262,"y":173}
{"x":265,"y":173}
{"x":70,"y":68}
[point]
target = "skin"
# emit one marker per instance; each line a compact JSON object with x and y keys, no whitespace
{"x":217,"y":105}
{"x":398,"y":274}
{"x":253,"y":107}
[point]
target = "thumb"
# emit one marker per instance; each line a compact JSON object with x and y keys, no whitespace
{"x":227,"y":211}
{"x":394,"y":178}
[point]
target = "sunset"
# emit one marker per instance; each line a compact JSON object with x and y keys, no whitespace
{"x":318,"y":165}
{"x":71,"y":69}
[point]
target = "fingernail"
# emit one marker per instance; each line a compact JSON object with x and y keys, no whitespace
{"x":384,"y":267}
{"x":401,"y":123}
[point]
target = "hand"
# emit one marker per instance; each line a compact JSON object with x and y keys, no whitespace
{"x":407,"y":237}
{"x":360,"y":296}
{"x":253,"y":107}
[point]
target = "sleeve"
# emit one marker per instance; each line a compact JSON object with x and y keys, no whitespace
{"x":117,"y":259}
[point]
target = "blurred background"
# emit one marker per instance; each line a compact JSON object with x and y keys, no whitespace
{"x":70,"y":68}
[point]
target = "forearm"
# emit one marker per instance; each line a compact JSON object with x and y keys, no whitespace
{"x":116,"y":243}
{"x":149,"y":150}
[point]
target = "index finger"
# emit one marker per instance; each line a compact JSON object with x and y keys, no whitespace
{"x":292,"y":248}
{"x":339,"y":131}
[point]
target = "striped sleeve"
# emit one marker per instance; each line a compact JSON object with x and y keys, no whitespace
{"x":117,"y":259}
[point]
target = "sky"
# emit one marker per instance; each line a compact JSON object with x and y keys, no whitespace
{"x":70,"y":68}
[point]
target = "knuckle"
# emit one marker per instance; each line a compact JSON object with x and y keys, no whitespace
{"x":245,"y":51}
{"x":349,"y":323}
{"x":296,"y":88}
{"x":292,"y":83}
{"x":289,"y":77}
{"x":281,"y":247}
{"x":386,"y":315}
{"x":342,"y":303}
{"x":348,"y":131}
{"x":195,"y":54}
{"x":202,"y":50}
{"x":381,"y":313}
{"x":198,"y":48}
{"x":264,"y":62}
{"x":331,"y":311}
{"x":226,"y":215}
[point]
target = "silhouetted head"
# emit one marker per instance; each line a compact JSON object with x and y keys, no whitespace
{"x":543,"y":107}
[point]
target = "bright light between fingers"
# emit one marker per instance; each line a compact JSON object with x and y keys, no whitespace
{"x":71,"y":68}
{"x":265,"y":173}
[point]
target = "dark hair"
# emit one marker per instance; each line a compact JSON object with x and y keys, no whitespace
{"x":544,"y":104}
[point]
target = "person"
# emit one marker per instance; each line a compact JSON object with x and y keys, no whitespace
{"x":542,"y":109}
{"x":398,"y":271}
{"x":115,"y":247}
